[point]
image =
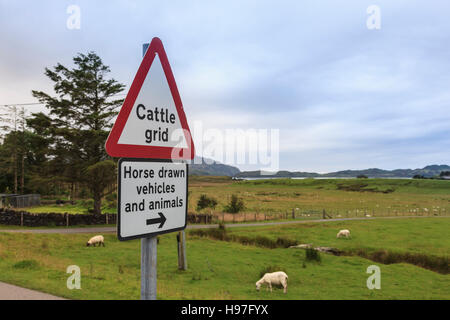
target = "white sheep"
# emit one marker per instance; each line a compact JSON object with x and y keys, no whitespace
{"x":274,"y":278}
{"x":96,"y":240}
{"x":343,"y":233}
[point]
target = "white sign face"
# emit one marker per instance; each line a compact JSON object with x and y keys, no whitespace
{"x":152,"y":197}
{"x":154,"y":120}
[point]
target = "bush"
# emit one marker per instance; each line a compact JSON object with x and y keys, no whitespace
{"x":236,"y":205}
{"x":109,"y":205}
{"x":206,"y":202}
{"x":84,"y":193}
{"x":312,"y":255}
{"x":89,"y":203}
{"x":112,"y":197}
{"x":26,"y":264}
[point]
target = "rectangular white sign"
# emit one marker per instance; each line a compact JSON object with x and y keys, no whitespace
{"x":152,"y":197}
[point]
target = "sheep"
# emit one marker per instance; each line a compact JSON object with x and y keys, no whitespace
{"x":276,"y":278}
{"x":343,"y":233}
{"x":96,"y":240}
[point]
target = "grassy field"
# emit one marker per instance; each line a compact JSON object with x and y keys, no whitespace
{"x":347,"y":197}
{"x":415,"y":235}
{"x":55,"y":208}
{"x":229,"y":270}
{"x":339,"y":197}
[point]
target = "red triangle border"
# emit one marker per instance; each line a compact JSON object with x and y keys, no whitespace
{"x":151,"y":152}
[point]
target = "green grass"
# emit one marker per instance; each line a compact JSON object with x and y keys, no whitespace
{"x":11,"y":227}
{"x":74,"y":209}
{"x":344,"y":197}
{"x":347,"y":197}
{"x":415,"y":235}
{"x":229,"y":270}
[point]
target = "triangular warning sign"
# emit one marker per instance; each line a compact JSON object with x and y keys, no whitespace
{"x":151,"y":122}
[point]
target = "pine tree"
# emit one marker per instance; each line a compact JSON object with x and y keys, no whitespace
{"x":78,"y":122}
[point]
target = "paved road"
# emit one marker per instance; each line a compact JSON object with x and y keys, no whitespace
{"x":204,"y":226}
{"x":11,"y":292}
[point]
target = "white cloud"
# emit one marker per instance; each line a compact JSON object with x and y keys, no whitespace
{"x":342,"y":96}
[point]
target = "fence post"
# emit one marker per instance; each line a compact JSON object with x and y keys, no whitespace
{"x":183,"y":247}
{"x":181,"y":240}
{"x":67,"y":219}
{"x":107,"y":218}
{"x":21,"y":218}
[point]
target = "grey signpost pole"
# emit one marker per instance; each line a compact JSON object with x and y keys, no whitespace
{"x":148,"y":255}
{"x":148,"y":268}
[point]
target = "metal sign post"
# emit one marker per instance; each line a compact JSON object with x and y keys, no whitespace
{"x":152,"y":176}
{"x":148,"y":268}
{"x":152,"y":200}
{"x":148,"y":254}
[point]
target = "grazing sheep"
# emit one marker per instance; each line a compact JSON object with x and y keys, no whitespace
{"x":96,"y":240}
{"x":274,"y":278}
{"x":343,"y":233}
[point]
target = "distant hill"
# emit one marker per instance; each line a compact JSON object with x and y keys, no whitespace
{"x":428,"y":171}
{"x":209,"y":167}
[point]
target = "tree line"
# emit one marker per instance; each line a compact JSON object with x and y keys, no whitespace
{"x":62,"y":150}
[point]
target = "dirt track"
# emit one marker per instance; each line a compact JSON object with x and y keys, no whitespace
{"x":204,"y":226}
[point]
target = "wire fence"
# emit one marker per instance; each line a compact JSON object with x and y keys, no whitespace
{"x":20,"y":201}
{"x":314,"y":214}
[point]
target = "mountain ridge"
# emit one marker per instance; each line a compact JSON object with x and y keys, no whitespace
{"x":427,"y":171}
{"x":205,"y":166}
{"x":208,"y":167}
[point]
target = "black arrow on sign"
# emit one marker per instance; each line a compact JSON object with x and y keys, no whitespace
{"x":161,"y":220}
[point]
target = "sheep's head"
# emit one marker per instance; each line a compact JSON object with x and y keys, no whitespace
{"x":258,"y":285}
{"x":87,"y":244}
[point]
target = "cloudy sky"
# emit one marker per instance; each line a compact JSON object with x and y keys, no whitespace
{"x":342,"y":95}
